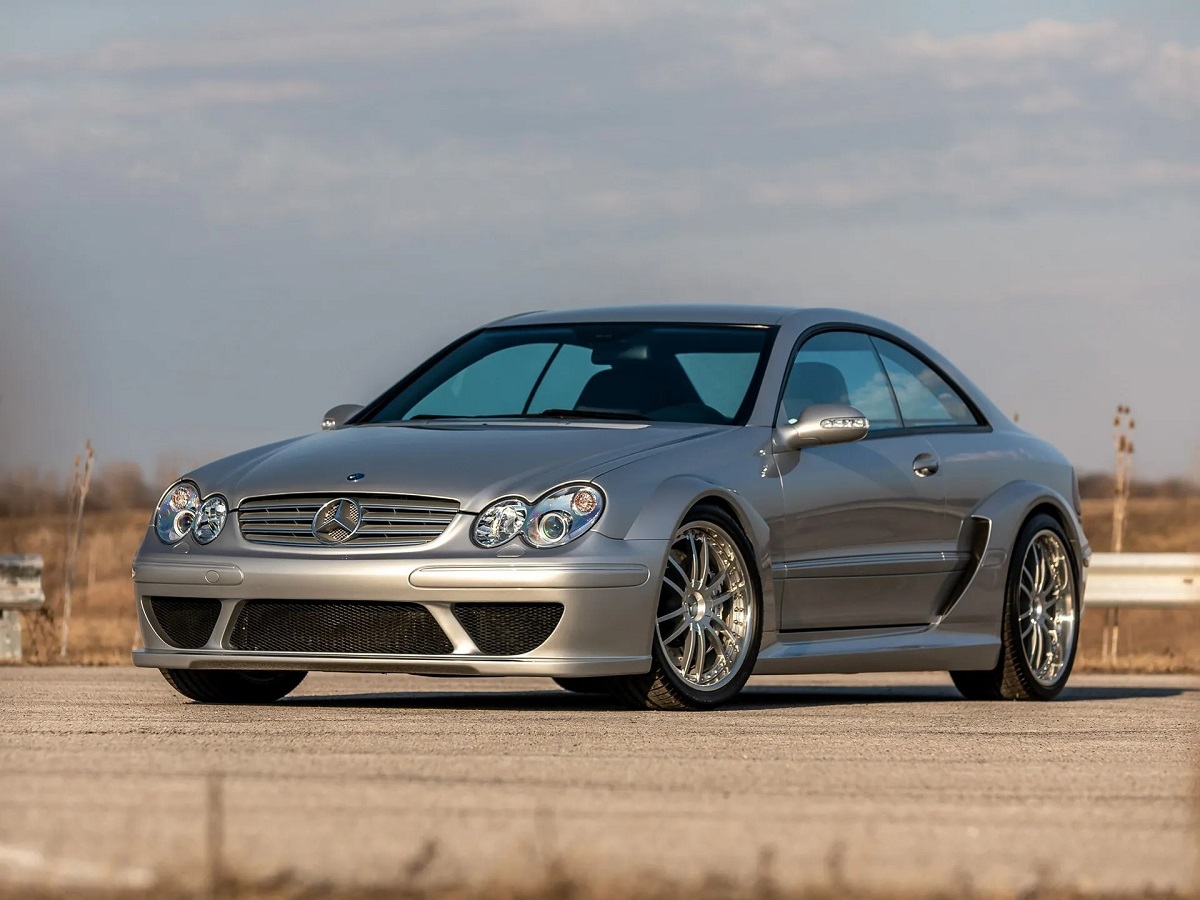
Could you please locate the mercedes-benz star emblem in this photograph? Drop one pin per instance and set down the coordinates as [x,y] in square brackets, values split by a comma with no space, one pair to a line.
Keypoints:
[337,521]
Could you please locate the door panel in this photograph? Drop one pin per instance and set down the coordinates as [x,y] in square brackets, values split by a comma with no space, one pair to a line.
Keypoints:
[865,541]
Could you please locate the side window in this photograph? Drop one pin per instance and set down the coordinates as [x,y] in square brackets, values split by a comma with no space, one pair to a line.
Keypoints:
[841,367]
[924,396]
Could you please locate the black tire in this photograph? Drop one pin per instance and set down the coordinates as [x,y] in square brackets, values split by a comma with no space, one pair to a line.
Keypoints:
[1013,678]
[223,686]
[662,688]
[597,685]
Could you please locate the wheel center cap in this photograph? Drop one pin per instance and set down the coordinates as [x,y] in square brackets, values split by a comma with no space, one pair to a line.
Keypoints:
[696,606]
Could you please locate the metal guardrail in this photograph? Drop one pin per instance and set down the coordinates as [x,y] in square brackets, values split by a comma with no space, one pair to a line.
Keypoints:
[20,589]
[1118,581]
[1143,580]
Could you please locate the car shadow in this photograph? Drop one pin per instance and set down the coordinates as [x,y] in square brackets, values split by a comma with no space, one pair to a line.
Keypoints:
[774,696]
[751,698]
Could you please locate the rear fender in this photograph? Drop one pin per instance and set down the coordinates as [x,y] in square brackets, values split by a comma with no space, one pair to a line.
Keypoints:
[980,605]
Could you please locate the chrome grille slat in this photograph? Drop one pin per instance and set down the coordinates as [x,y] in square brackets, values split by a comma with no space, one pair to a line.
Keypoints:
[387,520]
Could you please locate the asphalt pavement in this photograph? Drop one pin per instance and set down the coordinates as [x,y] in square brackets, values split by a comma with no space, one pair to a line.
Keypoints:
[106,775]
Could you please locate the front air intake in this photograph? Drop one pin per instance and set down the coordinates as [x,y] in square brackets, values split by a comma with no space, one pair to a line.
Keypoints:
[338,626]
[185,622]
[508,629]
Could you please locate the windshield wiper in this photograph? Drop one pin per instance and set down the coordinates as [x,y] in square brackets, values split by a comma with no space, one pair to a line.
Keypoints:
[431,417]
[587,414]
[605,414]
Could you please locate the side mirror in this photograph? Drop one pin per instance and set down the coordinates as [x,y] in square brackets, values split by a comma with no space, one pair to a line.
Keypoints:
[823,423]
[337,416]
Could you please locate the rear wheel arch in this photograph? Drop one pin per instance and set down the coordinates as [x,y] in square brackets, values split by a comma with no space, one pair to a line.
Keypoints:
[1010,507]
[1017,674]
[1056,513]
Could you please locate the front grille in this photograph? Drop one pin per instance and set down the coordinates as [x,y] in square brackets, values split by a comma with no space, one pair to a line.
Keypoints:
[185,622]
[506,629]
[338,626]
[388,520]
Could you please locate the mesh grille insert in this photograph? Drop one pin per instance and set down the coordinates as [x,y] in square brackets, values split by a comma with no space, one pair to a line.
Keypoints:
[337,626]
[185,622]
[506,629]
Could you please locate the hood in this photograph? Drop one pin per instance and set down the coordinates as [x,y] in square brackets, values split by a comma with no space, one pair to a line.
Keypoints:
[471,462]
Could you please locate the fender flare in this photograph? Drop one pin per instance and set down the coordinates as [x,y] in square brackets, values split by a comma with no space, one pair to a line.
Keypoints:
[977,604]
[1007,509]
[665,509]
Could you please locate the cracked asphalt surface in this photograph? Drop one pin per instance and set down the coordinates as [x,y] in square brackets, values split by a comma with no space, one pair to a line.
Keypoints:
[106,772]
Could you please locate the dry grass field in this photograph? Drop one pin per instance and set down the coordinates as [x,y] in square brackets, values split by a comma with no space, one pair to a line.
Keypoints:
[103,626]
[562,884]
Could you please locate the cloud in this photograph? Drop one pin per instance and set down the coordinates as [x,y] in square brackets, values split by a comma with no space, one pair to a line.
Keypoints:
[1047,102]
[1170,82]
[746,113]
[354,33]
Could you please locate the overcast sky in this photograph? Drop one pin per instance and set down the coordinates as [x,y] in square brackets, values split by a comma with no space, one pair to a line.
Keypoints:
[219,219]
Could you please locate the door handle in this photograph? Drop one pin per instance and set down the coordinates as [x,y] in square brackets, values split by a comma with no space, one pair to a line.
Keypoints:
[926,464]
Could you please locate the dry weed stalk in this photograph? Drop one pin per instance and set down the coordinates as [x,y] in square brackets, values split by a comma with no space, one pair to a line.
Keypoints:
[1123,426]
[78,497]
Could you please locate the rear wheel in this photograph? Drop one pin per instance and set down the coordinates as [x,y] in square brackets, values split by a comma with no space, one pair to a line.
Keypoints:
[708,622]
[221,686]
[1040,630]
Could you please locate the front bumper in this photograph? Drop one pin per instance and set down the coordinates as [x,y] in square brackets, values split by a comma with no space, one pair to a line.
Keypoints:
[608,590]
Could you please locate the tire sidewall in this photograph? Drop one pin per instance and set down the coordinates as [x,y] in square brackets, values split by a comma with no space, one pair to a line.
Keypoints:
[708,699]
[1012,626]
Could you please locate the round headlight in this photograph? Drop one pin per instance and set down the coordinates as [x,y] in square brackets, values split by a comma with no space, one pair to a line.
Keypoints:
[500,522]
[176,512]
[210,519]
[553,527]
[563,515]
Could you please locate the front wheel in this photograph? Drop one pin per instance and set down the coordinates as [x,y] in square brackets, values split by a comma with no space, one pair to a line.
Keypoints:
[221,686]
[708,624]
[1040,629]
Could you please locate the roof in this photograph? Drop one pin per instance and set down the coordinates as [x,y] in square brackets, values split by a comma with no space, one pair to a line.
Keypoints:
[702,313]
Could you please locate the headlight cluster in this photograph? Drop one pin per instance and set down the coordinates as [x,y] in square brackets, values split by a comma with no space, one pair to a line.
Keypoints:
[181,511]
[556,519]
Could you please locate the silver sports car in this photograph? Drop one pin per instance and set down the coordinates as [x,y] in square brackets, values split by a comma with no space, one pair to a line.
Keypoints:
[652,503]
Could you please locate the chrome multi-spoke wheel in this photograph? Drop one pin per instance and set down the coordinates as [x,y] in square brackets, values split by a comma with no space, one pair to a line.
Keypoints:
[1039,631]
[1047,607]
[708,623]
[706,610]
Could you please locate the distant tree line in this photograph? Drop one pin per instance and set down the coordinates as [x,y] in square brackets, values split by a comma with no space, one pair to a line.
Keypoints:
[123,485]
[117,485]
[1099,486]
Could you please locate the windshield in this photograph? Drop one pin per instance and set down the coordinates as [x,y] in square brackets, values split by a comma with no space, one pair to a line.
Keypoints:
[705,374]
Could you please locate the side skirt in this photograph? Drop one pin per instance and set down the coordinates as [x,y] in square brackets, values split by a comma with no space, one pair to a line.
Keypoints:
[911,649]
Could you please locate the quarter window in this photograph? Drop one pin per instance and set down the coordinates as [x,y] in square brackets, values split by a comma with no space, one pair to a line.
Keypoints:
[925,399]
